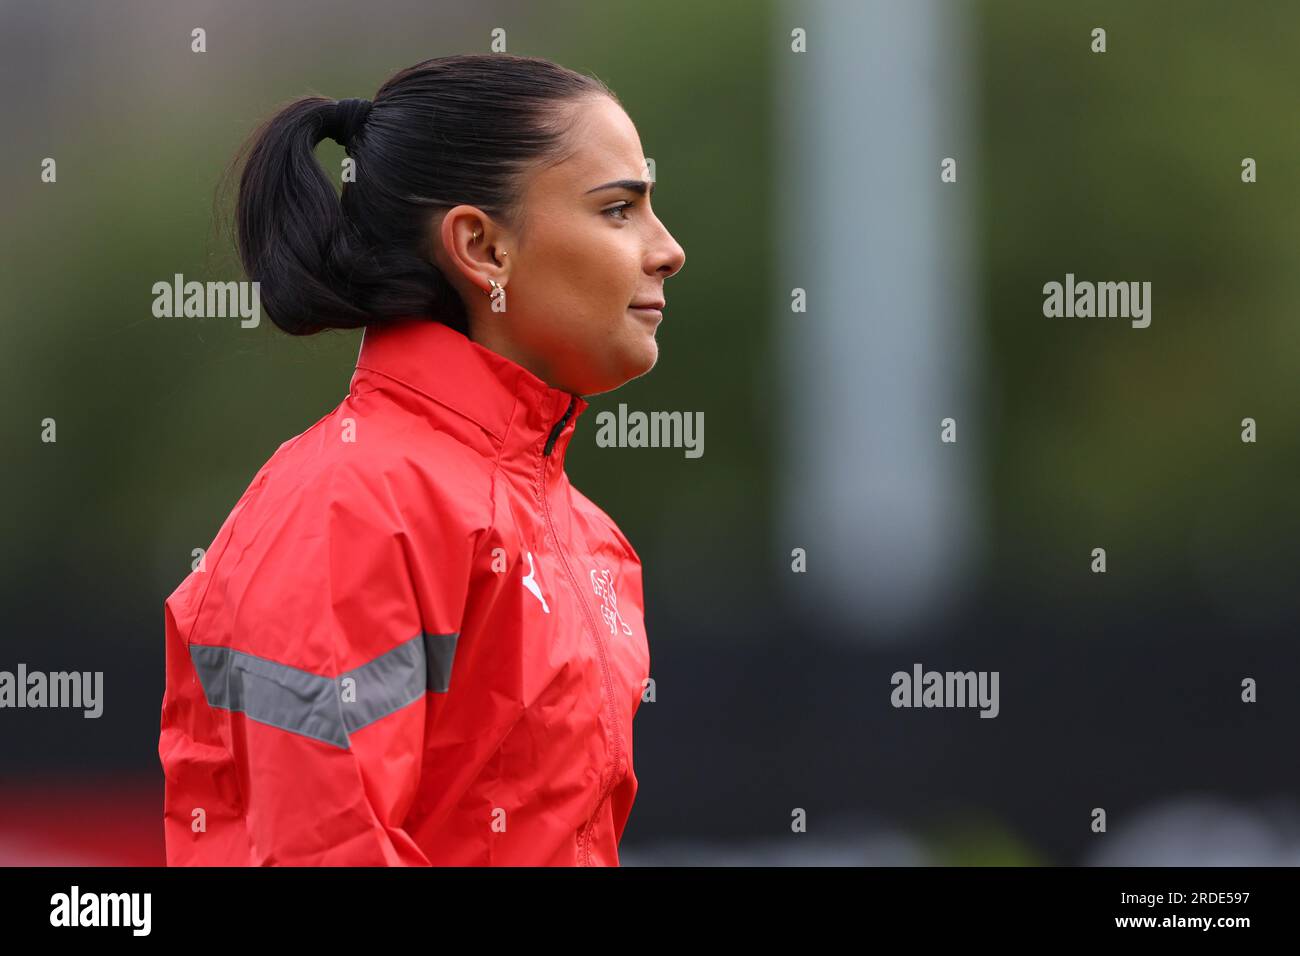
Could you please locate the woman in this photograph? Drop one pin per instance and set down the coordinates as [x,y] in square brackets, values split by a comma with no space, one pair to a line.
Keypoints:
[413,642]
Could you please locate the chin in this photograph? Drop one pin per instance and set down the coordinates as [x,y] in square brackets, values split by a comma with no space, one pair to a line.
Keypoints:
[643,360]
[630,365]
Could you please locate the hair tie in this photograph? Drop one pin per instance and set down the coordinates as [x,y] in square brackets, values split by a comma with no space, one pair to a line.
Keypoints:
[346,120]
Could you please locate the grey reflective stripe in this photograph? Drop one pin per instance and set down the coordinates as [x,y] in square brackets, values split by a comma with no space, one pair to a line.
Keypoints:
[393,680]
[312,705]
[271,693]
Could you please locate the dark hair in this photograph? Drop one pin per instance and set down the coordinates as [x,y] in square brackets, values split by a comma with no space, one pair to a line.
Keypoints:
[451,130]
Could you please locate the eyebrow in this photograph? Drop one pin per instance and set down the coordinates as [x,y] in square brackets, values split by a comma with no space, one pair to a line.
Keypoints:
[636,185]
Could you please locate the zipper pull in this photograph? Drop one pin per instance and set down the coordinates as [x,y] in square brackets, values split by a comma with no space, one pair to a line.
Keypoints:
[559,426]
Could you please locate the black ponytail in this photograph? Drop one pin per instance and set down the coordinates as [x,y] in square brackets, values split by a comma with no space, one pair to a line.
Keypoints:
[452,130]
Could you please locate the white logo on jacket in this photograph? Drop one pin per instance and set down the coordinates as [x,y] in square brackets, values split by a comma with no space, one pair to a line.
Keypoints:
[603,584]
[530,582]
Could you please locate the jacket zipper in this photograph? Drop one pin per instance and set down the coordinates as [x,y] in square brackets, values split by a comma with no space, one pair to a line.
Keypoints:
[559,427]
[589,826]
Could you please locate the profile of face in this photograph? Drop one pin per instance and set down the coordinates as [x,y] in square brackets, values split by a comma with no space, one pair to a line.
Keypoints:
[584,281]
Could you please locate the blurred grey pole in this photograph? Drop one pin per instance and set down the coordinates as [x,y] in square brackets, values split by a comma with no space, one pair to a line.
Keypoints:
[887,347]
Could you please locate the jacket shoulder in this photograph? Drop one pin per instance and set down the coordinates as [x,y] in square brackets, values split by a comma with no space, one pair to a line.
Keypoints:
[370,532]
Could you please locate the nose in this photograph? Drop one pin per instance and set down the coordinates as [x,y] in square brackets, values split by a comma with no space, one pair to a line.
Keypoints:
[666,256]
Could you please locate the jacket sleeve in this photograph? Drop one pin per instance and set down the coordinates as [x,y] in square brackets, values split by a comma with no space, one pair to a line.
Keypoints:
[342,617]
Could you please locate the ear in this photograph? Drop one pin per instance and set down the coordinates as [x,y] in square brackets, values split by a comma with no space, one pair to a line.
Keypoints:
[467,238]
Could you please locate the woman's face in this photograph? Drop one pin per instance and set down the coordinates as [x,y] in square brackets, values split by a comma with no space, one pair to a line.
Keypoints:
[589,254]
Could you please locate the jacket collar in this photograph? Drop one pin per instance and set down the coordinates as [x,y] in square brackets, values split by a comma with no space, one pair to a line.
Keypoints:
[522,414]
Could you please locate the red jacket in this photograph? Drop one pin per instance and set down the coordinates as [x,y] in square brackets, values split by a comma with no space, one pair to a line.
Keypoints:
[413,641]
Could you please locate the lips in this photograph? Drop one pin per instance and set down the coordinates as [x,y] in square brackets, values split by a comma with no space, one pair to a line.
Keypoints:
[656,305]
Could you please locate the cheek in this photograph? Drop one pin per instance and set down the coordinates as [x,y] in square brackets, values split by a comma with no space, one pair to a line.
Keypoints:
[600,295]
[614,277]
[592,276]
[583,287]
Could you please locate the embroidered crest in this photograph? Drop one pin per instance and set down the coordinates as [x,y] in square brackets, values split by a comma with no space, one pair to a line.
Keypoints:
[603,584]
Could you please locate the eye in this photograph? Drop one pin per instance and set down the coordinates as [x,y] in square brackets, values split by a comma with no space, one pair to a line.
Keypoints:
[619,209]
